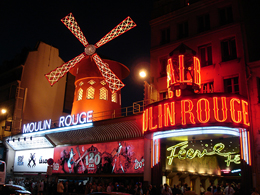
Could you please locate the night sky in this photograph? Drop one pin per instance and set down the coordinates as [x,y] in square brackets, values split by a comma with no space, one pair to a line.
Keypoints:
[24,23]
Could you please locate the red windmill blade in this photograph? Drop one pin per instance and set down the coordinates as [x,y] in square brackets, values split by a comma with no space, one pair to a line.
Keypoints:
[111,79]
[121,28]
[70,22]
[60,71]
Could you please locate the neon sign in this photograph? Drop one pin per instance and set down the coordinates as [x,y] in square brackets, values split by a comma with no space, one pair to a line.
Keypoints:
[180,74]
[69,120]
[190,153]
[201,109]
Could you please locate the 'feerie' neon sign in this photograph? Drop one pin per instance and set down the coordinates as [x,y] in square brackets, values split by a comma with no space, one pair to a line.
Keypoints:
[195,111]
[64,121]
[184,153]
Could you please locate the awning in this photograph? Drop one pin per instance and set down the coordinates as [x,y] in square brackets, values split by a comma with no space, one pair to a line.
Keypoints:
[102,131]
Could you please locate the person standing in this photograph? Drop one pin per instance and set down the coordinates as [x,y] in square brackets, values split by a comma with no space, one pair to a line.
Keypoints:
[60,187]
[229,190]
[189,192]
[208,191]
[41,187]
[109,187]
[202,190]
[218,192]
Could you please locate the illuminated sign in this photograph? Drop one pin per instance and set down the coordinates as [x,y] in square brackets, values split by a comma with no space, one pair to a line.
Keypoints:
[110,158]
[32,160]
[35,142]
[236,171]
[183,73]
[196,110]
[64,121]
[190,153]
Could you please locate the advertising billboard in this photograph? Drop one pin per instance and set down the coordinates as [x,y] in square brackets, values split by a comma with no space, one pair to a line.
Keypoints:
[212,156]
[32,160]
[106,158]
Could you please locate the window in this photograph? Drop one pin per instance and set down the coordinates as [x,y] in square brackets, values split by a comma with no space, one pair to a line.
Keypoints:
[114,97]
[103,93]
[183,30]
[81,83]
[231,85]
[90,93]
[103,82]
[165,36]
[80,94]
[207,87]
[163,95]
[163,65]
[228,49]
[92,82]
[203,23]
[258,88]
[205,54]
[225,15]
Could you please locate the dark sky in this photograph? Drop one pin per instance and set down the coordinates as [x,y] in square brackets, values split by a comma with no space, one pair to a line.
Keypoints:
[23,23]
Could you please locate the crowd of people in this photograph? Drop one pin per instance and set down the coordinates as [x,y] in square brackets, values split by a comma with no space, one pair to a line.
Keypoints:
[65,187]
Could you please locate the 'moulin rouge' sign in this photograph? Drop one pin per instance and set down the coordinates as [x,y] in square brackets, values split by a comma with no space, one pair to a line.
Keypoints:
[196,110]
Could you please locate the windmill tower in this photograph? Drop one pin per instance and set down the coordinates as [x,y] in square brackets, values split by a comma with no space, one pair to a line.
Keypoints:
[97,82]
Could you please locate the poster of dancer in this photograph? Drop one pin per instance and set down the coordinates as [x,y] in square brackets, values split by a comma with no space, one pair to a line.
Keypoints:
[110,158]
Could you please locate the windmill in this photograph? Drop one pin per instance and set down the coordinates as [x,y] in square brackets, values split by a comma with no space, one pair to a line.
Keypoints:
[110,78]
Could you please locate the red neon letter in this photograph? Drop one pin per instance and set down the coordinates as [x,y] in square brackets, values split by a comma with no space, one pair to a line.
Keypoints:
[184,112]
[245,112]
[197,77]
[160,115]
[224,108]
[151,119]
[181,68]
[145,120]
[169,114]
[170,93]
[199,110]
[178,92]
[233,111]
[170,73]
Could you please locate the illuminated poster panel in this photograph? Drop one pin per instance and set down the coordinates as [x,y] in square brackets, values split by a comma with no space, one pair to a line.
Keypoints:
[108,158]
[32,160]
[212,156]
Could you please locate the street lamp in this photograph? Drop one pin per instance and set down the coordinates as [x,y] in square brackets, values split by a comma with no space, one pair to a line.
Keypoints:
[142,74]
[3,110]
[6,123]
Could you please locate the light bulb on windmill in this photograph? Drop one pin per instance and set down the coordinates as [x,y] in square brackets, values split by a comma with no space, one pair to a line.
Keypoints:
[111,79]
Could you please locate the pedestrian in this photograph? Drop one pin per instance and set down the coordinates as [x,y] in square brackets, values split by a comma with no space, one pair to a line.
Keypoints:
[189,192]
[166,190]
[109,187]
[149,190]
[218,192]
[60,188]
[41,187]
[208,191]
[11,181]
[255,191]
[202,190]
[229,190]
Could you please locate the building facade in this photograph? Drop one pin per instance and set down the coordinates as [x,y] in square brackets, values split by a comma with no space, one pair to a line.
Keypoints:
[24,93]
[221,35]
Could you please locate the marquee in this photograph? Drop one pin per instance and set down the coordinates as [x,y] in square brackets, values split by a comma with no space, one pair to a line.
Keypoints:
[197,110]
